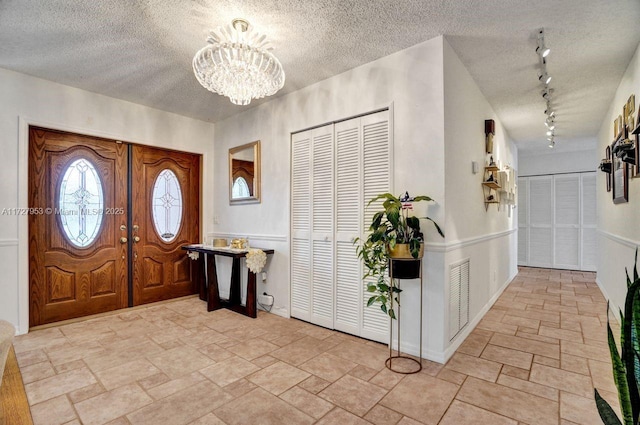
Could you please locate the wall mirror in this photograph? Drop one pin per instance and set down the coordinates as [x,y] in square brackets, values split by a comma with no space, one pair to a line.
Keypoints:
[244,173]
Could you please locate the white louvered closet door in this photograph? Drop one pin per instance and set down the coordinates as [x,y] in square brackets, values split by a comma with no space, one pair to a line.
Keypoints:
[567,221]
[348,134]
[589,232]
[301,226]
[541,221]
[523,221]
[322,225]
[376,161]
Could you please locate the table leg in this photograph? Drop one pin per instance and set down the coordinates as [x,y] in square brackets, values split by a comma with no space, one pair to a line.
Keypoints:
[213,300]
[234,289]
[199,277]
[251,295]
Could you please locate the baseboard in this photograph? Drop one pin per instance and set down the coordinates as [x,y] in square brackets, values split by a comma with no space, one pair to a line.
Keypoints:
[280,311]
[444,356]
[613,307]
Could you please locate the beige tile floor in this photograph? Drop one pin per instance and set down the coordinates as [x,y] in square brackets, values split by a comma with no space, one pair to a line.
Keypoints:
[533,359]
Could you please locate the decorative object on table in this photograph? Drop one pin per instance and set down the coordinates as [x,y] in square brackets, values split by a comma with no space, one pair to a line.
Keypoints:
[244,174]
[619,176]
[489,132]
[393,250]
[626,365]
[256,259]
[193,255]
[237,63]
[239,243]
[220,242]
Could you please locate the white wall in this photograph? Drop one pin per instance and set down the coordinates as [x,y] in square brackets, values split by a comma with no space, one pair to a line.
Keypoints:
[28,100]
[618,225]
[412,82]
[554,162]
[487,237]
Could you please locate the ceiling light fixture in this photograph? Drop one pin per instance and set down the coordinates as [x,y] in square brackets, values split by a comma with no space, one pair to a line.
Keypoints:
[542,50]
[237,64]
[545,79]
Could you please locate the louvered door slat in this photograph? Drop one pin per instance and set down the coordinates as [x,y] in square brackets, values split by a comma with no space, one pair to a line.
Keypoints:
[322,225]
[348,212]
[376,160]
[589,232]
[523,223]
[300,226]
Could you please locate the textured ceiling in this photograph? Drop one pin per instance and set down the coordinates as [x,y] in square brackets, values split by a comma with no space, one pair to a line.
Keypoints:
[141,51]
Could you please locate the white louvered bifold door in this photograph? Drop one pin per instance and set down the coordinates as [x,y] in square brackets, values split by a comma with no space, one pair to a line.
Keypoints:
[322,225]
[567,221]
[348,145]
[376,162]
[523,221]
[301,226]
[541,221]
[589,232]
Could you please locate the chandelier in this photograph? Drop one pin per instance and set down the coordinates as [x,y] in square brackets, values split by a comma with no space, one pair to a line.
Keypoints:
[237,63]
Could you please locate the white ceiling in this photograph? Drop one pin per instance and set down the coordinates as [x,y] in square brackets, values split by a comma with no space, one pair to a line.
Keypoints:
[141,51]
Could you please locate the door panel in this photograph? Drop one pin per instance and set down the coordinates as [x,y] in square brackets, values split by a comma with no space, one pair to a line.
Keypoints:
[161,269]
[87,274]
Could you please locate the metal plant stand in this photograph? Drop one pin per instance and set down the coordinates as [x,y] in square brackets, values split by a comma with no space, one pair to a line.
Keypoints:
[389,362]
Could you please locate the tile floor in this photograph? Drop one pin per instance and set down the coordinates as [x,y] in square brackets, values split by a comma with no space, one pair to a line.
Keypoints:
[533,359]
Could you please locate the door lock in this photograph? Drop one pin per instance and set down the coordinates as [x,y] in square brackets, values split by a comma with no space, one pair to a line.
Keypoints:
[123,240]
[123,227]
[136,238]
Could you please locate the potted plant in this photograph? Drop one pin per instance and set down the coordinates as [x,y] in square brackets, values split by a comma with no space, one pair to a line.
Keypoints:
[626,365]
[395,242]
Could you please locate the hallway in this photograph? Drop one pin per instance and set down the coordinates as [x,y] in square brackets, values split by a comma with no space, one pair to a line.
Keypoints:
[533,359]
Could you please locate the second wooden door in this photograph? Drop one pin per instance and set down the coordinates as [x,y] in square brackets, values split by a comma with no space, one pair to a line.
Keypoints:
[165,215]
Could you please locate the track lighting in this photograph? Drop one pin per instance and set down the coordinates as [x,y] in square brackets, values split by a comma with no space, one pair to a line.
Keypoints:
[542,50]
[544,78]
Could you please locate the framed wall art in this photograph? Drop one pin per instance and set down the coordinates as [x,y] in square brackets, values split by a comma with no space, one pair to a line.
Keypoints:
[619,177]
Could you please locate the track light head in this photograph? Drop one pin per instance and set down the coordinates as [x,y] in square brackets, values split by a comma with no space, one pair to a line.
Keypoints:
[552,144]
[544,78]
[543,51]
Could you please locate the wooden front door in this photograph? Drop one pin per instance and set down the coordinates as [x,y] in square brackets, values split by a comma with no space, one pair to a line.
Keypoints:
[166,209]
[77,205]
[102,239]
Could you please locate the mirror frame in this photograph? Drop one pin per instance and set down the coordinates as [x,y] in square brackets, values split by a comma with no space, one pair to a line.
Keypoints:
[255,199]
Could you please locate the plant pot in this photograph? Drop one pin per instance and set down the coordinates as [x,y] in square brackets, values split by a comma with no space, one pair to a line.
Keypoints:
[402,251]
[403,264]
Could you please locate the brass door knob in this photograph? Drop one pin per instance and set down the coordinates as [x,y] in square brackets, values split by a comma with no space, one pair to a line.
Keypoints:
[136,238]
[123,240]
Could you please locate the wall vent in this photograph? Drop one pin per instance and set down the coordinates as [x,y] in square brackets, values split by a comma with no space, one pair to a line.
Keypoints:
[458,297]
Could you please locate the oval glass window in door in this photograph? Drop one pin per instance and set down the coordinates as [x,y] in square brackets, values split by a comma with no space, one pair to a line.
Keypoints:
[166,205]
[81,203]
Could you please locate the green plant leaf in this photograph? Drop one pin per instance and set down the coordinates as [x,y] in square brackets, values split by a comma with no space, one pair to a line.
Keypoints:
[620,379]
[627,338]
[382,196]
[422,198]
[437,227]
[392,314]
[371,301]
[607,414]
[383,307]
[371,288]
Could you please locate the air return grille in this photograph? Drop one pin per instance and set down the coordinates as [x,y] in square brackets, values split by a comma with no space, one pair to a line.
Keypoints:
[458,297]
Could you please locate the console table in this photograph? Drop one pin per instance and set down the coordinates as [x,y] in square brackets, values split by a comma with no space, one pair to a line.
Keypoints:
[207,280]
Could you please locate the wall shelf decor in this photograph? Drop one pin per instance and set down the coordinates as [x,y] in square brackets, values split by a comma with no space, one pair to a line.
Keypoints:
[490,184]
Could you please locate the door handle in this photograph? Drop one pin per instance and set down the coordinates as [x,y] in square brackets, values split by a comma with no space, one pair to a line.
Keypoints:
[123,240]
[136,239]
